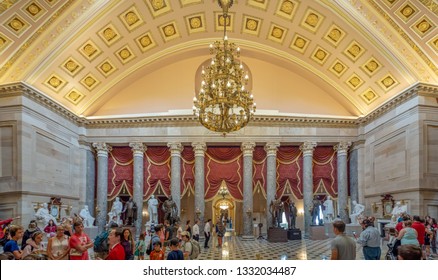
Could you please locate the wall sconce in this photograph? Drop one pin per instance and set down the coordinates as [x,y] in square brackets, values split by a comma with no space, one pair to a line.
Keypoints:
[248,211]
[97,210]
[198,213]
[301,211]
[374,207]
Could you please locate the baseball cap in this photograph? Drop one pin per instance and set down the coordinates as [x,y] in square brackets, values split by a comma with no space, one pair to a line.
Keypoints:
[185,233]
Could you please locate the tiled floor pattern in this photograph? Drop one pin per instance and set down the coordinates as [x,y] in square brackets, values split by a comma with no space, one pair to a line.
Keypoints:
[234,248]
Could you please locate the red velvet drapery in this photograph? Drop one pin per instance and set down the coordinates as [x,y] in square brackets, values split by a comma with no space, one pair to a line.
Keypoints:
[259,169]
[223,164]
[156,171]
[289,171]
[325,170]
[187,171]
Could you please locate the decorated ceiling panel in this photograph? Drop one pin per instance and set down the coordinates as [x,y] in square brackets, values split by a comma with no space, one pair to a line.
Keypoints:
[75,51]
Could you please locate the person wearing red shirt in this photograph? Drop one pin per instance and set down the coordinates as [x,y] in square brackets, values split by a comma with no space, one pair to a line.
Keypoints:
[420,228]
[79,243]
[117,252]
[157,253]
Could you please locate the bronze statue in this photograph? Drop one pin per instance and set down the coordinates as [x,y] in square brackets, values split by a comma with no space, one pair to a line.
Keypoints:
[170,211]
[276,209]
[292,215]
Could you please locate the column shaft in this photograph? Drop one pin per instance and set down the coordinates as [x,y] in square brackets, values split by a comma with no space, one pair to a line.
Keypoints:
[271,182]
[248,227]
[102,184]
[199,149]
[342,149]
[175,172]
[307,149]
[138,150]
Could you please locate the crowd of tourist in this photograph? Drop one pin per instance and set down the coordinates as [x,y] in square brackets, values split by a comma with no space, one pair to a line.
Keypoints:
[415,239]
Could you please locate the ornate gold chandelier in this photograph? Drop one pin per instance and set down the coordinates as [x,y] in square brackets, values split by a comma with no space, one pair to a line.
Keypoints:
[224,104]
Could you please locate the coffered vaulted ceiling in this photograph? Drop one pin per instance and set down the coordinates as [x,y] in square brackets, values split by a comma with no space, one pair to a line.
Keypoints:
[108,57]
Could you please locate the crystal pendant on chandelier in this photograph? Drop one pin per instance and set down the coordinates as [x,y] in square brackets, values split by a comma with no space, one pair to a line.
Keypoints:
[223,103]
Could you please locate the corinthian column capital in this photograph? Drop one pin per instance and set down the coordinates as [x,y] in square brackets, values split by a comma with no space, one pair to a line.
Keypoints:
[247,148]
[342,147]
[271,148]
[102,148]
[307,148]
[175,149]
[199,148]
[138,148]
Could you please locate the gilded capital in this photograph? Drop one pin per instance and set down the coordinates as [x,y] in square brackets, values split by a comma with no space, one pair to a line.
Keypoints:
[271,149]
[307,148]
[138,148]
[102,148]
[247,148]
[199,149]
[175,149]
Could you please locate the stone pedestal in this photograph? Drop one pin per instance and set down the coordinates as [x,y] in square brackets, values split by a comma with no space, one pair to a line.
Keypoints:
[317,233]
[91,232]
[277,235]
[349,228]
[328,229]
[294,234]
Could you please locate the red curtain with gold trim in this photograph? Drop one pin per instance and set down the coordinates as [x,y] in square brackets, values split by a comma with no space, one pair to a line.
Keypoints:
[259,170]
[120,170]
[223,164]
[289,171]
[325,170]
[187,170]
[156,171]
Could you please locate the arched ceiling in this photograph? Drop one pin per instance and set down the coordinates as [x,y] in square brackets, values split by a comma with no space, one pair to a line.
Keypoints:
[333,57]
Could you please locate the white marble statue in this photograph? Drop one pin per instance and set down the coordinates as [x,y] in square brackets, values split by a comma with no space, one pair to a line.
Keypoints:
[357,211]
[398,210]
[152,209]
[116,211]
[328,209]
[85,214]
[44,216]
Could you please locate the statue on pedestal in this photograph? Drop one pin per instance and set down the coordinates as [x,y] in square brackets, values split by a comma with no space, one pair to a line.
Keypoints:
[328,209]
[88,220]
[292,215]
[43,215]
[153,210]
[130,210]
[116,211]
[170,210]
[276,209]
[398,211]
[316,211]
[357,211]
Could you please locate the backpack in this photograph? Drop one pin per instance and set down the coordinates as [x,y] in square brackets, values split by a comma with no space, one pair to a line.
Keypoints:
[100,242]
[196,249]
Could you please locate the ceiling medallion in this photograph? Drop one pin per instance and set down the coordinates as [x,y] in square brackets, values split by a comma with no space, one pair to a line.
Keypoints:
[223,103]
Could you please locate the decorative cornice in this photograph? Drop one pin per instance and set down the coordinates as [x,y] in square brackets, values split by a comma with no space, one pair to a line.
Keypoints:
[247,148]
[342,148]
[22,89]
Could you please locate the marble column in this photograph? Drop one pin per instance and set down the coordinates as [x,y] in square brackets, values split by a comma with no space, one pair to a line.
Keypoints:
[90,176]
[271,180]
[353,167]
[342,149]
[307,148]
[102,184]
[248,226]
[138,150]
[175,173]
[199,149]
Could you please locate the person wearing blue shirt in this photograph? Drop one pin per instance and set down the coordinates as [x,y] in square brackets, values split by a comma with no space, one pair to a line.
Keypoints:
[16,233]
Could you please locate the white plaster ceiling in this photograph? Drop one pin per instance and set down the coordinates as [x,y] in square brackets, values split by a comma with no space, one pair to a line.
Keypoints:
[329,57]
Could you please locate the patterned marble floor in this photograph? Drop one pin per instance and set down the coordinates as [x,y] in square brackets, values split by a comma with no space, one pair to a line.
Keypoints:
[234,248]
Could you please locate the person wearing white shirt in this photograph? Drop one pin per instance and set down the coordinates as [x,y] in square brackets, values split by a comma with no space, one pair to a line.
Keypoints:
[207,233]
[196,230]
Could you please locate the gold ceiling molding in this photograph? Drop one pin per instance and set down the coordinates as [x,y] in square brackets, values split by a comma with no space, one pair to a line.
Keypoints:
[145,41]
[6,4]
[158,7]
[17,25]
[432,5]
[338,68]
[131,18]
[4,42]
[74,96]
[299,43]
[354,81]
[388,82]
[287,9]
[406,37]
[196,23]
[369,96]
[251,25]
[334,35]
[407,11]
[34,37]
